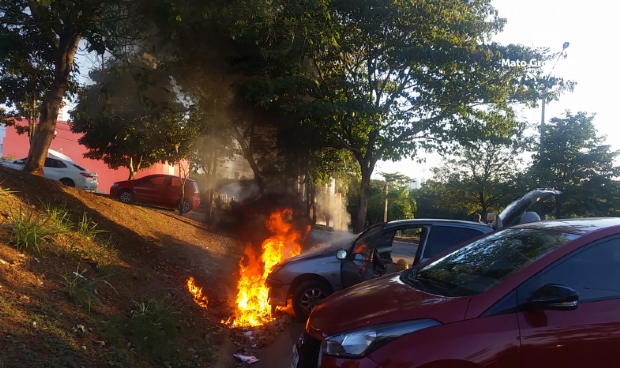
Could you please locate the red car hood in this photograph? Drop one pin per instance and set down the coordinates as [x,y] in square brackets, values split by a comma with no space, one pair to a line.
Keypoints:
[383,300]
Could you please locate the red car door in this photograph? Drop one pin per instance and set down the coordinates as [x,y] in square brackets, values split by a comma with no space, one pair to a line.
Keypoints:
[174,192]
[152,189]
[588,335]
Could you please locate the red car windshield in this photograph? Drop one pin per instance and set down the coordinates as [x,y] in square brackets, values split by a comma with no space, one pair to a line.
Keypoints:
[484,263]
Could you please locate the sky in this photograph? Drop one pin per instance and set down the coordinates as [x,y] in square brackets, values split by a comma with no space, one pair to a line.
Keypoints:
[591,28]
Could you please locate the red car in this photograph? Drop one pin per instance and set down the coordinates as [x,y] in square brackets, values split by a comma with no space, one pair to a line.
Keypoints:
[537,295]
[163,190]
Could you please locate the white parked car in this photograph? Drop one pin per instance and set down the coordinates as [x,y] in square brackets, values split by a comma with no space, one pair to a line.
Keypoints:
[66,171]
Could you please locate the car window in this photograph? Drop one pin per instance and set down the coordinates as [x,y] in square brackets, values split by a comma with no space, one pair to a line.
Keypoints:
[593,272]
[78,167]
[443,238]
[364,244]
[404,243]
[158,180]
[50,162]
[176,182]
[478,266]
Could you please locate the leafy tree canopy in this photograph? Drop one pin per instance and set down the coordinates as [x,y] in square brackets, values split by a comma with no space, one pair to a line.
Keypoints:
[384,79]
[131,118]
[38,43]
[577,162]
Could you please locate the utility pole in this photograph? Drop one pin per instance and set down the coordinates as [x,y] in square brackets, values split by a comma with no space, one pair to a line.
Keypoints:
[385,211]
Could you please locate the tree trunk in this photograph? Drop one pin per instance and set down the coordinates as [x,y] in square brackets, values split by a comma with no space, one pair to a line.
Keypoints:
[67,46]
[313,202]
[210,172]
[362,201]
[134,168]
[246,149]
[183,179]
[558,208]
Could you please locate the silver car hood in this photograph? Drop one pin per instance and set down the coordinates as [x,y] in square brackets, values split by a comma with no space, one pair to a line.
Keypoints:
[322,250]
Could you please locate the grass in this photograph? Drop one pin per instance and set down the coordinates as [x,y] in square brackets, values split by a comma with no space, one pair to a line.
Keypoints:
[154,329]
[59,216]
[88,228]
[6,191]
[29,229]
[104,254]
[81,290]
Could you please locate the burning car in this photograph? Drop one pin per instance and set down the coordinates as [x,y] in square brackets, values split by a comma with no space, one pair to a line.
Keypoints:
[309,278]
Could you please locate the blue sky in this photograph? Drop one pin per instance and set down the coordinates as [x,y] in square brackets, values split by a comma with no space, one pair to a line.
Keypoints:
[592,29]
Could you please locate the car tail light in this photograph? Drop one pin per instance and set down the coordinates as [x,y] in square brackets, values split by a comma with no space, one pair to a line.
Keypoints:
[88,175]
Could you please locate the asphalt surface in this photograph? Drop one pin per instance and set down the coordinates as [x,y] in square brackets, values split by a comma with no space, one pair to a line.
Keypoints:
[279,353]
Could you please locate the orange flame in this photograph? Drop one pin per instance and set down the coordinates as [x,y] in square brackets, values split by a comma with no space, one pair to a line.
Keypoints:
[253,307]
[196,292]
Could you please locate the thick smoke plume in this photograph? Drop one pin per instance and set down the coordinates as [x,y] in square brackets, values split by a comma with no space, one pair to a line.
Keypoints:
[332,210]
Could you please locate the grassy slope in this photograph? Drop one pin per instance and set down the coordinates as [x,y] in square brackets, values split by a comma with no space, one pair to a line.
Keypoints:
[133,309]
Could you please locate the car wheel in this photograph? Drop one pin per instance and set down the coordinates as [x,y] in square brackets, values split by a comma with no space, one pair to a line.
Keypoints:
[125,196]
[187,206]
[68,182]
[307,296]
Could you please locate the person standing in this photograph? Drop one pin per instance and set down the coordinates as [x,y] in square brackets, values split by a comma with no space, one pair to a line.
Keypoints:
[478,218]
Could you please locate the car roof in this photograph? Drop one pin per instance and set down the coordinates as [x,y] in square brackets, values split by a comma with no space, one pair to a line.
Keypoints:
[580,226]
[470,224]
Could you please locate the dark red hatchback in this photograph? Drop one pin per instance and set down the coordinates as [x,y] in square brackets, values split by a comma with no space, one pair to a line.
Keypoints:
[162,190]
[544,294]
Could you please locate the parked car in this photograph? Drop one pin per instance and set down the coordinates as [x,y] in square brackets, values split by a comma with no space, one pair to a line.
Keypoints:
[66,171]
[308,279]
[162,190]
[542,294]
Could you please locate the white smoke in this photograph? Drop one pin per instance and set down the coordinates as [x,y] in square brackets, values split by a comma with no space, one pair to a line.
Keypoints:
[332,210]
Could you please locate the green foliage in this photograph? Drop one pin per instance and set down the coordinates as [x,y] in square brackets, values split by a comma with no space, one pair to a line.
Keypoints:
[29,229]
[577,162]
[81,290]
[104,254]
[6,191]
[154,328]
[132,118]
[38,42]
[386,79]
[483,177]
[88,228]
[59,216]
[401,205]
[429,199]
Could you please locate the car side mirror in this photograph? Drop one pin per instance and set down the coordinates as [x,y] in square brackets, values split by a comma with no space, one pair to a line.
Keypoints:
[341,254]
[553,297]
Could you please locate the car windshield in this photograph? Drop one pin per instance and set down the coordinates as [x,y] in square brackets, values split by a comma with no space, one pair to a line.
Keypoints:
[484,263]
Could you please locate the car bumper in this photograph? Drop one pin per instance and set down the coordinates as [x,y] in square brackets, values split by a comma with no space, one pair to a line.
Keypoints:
[114,191]
[278,293]
[90,187]
[309,351]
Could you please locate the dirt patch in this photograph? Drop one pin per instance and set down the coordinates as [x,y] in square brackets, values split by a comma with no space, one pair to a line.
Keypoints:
[106,284]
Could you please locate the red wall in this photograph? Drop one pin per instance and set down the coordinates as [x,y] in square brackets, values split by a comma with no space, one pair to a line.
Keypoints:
[66,143]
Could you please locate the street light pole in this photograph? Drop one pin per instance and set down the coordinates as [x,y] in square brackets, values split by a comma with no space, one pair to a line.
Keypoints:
[544,101]
[385,210]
